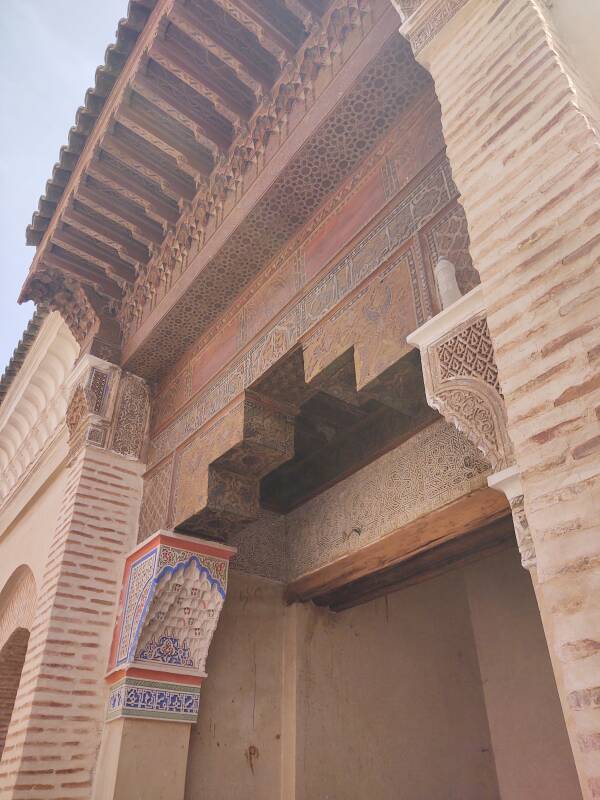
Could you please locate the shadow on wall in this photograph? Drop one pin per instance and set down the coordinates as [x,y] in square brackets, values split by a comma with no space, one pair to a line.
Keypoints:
[17,606]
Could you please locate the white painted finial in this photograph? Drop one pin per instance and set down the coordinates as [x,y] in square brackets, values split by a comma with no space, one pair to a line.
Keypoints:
[445,276]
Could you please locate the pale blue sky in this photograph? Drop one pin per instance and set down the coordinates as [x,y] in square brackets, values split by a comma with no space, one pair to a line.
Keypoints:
[49,51]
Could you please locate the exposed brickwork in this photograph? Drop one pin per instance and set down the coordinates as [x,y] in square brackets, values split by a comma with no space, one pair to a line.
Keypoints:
[525,157]
[55,731]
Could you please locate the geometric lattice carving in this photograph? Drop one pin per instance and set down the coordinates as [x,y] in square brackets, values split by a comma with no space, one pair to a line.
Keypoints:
[461,376]
[469,353]
[155,500]
[174,589]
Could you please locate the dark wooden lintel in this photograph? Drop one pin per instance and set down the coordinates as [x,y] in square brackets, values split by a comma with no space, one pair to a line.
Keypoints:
[459,518]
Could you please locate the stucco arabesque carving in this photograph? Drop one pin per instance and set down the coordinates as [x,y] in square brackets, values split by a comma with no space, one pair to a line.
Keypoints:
[422,20]
[108,408]
[461,382]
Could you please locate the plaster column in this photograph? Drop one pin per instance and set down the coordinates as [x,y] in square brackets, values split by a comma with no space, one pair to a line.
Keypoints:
[53,739]
[173,591]
[518,122]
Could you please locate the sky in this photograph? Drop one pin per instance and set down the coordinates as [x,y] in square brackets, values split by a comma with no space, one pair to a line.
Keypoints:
[49,51]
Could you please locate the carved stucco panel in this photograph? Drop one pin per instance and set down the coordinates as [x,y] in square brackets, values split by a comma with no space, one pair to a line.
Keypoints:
[461,382]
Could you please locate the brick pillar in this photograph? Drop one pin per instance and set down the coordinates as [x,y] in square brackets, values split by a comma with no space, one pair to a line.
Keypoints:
[173,591]
[519,127]
[54,735]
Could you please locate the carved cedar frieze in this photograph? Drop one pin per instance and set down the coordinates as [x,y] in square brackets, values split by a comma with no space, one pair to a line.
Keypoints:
[392,234]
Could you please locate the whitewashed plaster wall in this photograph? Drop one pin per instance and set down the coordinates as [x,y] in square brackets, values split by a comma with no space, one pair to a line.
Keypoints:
[33,448]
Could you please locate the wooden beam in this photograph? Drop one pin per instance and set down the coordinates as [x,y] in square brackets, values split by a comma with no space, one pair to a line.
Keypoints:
[251,17]
[181,66]
[170,181]
[247,69]
[455,519]
[84,272]
[70,238]
[111,233]
[456,553]
[124,179]
[171,103]
[161,136]
[96,194]
[117,92]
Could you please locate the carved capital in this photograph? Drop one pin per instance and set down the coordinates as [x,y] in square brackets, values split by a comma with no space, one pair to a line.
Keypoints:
[422,20]
[174,587]
[108,409]
[461,376]
[509,482]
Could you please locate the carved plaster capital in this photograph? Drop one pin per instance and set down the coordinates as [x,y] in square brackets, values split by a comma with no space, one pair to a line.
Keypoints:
[509,482]
[108,408]
[461,376]
[174,588]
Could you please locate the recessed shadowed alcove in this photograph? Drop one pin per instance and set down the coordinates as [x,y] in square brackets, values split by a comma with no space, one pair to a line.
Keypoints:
[338,429]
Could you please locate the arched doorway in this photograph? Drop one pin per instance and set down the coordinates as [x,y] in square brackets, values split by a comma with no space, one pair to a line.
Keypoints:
[17,605]
[12,658]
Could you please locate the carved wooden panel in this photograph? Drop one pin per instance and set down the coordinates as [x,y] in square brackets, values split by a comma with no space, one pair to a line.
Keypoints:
[415,209]
[387,87]
[374,323]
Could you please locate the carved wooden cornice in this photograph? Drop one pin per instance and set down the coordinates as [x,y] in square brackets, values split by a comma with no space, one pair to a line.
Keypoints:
[294,86]
[184,106]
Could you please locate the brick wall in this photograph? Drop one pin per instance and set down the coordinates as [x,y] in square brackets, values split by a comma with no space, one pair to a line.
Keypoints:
[525,157]
[55,731]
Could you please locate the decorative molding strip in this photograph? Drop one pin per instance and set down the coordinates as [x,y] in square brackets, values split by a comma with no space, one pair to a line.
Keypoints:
[135,697]
[509,483]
